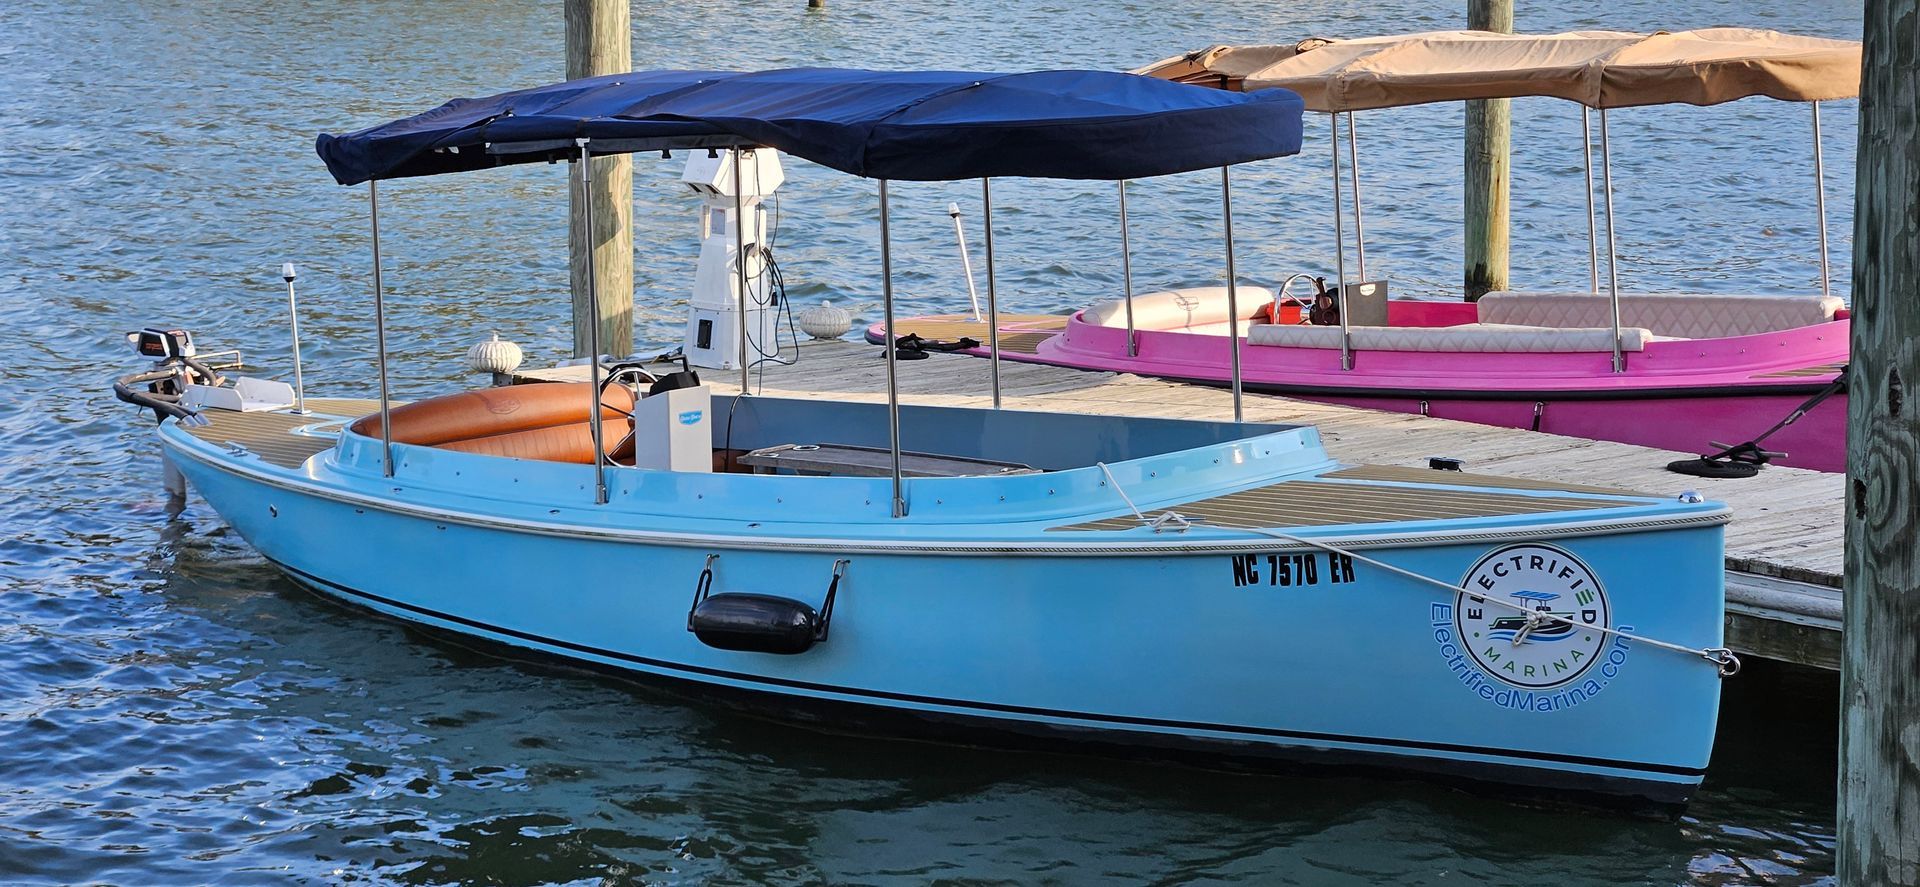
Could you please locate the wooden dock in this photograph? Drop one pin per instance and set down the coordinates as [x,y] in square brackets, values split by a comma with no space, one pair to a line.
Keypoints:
[1784,547]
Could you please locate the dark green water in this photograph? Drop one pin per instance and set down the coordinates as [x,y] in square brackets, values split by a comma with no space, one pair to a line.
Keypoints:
[172,711]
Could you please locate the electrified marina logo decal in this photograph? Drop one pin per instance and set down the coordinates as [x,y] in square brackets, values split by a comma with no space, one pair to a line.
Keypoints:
[1497,641]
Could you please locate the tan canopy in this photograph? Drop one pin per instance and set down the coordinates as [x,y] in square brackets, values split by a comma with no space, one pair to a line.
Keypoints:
[1599,69]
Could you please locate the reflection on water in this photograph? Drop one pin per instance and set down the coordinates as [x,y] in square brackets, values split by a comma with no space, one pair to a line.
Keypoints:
[171,710]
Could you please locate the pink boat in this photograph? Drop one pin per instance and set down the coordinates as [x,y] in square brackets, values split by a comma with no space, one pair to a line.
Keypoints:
[1700,369]
[1693,372]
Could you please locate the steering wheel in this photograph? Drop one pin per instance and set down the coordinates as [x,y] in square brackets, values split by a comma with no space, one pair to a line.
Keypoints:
[619,375]
[1305,303]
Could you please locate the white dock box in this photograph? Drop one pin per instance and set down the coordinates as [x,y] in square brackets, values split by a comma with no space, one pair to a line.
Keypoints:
[672,430]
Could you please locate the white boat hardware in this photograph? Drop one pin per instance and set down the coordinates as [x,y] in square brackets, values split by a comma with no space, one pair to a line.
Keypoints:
[966,262]
[288,272]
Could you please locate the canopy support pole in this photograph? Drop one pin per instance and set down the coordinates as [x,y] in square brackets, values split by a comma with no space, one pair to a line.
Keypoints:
[1353,170]
[1820,203]
[893,377]
[1613,254]
[1233,289]
[1339,252]
[1126,271]
[1593,235]
[740,263]
[993,300]
[585,171]
[380,333]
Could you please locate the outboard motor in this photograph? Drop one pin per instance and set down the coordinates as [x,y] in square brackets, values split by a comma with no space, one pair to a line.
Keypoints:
[1326,305]
[176,366]
[163,388]
[162,344]
[759,623]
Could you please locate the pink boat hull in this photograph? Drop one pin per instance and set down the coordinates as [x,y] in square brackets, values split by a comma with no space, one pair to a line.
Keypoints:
[1817,441]
[1674,395]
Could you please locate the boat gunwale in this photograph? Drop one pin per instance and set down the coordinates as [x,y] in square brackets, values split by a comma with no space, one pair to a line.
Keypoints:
[1760,384]
[1734,362]
[1143,541]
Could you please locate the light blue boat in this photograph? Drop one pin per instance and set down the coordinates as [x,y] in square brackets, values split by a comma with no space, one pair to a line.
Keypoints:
[1223,592]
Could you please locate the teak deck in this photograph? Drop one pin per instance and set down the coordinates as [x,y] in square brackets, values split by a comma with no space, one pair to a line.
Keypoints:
[1019,333]
[272,437]
[1783,548]
[1306,503]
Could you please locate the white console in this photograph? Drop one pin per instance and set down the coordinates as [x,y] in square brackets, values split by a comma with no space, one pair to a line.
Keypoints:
[673,430]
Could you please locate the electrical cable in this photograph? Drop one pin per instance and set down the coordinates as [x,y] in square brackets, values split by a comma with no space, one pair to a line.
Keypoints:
[769,274]
[776,288]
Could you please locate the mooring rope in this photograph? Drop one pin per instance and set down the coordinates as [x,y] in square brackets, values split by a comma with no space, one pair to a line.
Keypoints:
[1722,658]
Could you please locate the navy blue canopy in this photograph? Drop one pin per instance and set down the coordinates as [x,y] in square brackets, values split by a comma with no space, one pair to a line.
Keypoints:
[908,125]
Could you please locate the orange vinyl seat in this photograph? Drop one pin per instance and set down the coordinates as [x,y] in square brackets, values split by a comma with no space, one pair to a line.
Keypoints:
[559,443]
[547,421]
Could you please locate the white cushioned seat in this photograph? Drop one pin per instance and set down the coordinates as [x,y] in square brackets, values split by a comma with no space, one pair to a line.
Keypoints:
[1675,315]
[1476,337]
[1179,309]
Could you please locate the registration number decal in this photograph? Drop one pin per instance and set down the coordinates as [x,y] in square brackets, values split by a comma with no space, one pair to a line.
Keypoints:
[1291,570]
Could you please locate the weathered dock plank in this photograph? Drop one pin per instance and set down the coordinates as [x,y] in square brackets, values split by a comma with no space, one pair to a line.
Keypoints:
[1784,551]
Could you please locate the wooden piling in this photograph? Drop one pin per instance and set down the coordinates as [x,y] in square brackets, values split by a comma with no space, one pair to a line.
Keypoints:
[1879,808]
[1488,147]
[600,41]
